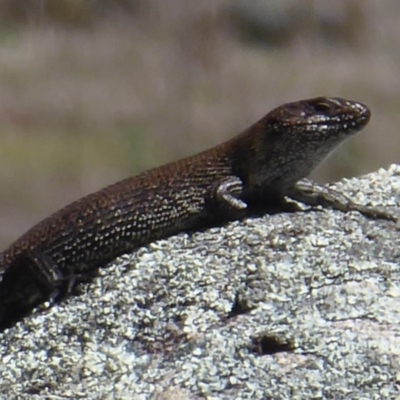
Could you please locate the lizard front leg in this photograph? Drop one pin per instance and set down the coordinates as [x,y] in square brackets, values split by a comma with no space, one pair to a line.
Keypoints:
[224,198]
[313,194]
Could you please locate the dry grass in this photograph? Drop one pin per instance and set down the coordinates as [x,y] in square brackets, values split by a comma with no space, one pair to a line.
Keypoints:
[81,108]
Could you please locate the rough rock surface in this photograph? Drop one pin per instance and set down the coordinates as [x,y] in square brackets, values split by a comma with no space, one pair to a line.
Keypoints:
[290,306]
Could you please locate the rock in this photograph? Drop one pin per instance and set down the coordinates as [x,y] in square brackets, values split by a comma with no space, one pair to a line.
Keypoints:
[289,306]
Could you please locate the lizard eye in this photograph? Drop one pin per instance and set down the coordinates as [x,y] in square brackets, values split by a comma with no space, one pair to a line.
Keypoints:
[321,107]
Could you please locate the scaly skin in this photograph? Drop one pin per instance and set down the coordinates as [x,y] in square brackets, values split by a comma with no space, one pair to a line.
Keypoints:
[258,167]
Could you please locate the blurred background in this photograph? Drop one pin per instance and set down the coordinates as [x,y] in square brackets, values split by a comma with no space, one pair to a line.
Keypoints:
[93,91]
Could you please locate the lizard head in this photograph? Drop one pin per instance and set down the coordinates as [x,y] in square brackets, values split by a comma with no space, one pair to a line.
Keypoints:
[293,139]
[320,116]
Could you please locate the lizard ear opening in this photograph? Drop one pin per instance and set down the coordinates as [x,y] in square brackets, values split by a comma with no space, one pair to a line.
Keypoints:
[273,123]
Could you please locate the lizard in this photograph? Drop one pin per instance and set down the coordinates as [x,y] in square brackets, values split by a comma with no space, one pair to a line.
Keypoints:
[259,169]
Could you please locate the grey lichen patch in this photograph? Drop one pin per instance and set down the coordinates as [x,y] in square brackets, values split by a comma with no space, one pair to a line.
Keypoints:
[289,306]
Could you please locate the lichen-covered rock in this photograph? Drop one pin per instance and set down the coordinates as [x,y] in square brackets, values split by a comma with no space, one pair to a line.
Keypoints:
[289,306]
